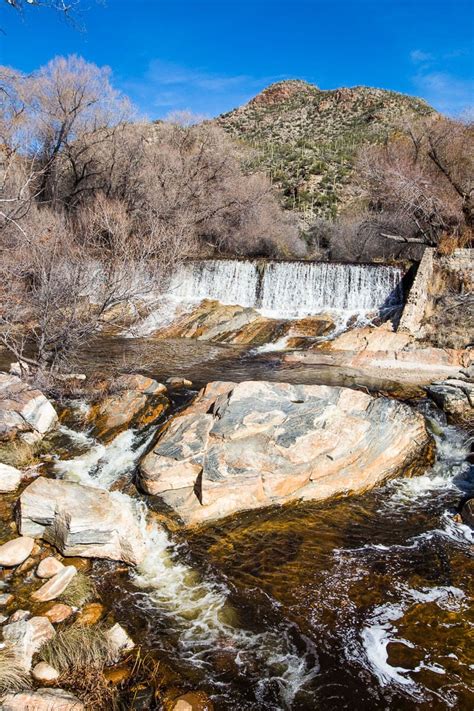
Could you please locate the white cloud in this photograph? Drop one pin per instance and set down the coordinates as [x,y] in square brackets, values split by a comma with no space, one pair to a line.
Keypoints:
[446,92]
[170,86]
[417,56]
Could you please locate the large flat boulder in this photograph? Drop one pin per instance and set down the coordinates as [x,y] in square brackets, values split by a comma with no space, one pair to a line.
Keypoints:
[81,520]
[379,353]
[253,444]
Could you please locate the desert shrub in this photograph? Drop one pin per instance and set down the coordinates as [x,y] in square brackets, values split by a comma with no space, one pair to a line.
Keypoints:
[80,590]
[76,646]
[365,237]
[12,676]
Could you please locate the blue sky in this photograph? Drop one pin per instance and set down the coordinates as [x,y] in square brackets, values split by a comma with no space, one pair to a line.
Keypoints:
[209,56]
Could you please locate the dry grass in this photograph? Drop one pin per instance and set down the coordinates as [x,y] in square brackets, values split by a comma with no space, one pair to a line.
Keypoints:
[146,674]
[80,655]
[80,590]
[76,647]
[12,677]
[91,687]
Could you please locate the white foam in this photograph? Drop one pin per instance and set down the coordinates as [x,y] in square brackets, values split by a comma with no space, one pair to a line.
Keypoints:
[78,437]
[452,446]
[447,597]
[103,464]
[205,621]
[376,636]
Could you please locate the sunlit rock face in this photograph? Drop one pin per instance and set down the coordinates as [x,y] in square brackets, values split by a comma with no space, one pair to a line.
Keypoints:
[26,415]
[253,444]
[133,399]
[239,325]
[81,520]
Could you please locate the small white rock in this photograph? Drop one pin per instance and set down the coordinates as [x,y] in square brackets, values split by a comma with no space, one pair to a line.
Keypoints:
[19,615]
[10,478]
[119,641]
[44,673]
[48,567]
[16,551]
[55,585]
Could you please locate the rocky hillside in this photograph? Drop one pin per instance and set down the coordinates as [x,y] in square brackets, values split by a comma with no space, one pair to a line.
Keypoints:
[307,139]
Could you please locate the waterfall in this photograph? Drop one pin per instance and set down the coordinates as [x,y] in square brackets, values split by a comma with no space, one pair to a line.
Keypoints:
[228,281]
[291,289]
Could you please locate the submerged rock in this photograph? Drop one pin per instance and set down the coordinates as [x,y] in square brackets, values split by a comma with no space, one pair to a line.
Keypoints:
[58,613]
[253,444]
[81,520]
[135,400]
[42,700]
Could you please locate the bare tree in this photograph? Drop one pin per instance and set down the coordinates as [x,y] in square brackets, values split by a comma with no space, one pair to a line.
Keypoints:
[96,211]
[63,6]
[425,176]
[59,284]
[191,179]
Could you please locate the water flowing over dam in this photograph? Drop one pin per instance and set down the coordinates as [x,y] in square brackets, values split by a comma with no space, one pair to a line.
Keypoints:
[291,289]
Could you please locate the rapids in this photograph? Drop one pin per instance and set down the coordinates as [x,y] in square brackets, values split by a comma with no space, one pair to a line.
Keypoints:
[357,603]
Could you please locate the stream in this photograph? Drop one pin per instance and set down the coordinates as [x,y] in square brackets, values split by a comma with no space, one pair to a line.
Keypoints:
[354,603]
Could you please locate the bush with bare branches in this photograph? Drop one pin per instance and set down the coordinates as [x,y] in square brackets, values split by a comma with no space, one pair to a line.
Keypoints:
[425,176]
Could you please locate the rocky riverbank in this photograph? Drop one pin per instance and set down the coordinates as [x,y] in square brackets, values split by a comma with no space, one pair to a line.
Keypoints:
[61,646]
[235,447]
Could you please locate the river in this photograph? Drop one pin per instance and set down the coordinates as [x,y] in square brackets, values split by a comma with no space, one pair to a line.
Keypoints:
[359,603]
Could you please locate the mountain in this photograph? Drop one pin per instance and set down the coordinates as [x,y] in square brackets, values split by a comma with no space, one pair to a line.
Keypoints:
[307,139]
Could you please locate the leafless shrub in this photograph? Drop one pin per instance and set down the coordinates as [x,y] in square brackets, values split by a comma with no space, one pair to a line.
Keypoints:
[424,175]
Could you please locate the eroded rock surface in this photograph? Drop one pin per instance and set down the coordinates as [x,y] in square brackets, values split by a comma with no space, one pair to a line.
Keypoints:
[456,398]
[26,415]
[27,637]
[135,400]
[42,700]
[81,520]
[381,353]
[241,325]
[252,444]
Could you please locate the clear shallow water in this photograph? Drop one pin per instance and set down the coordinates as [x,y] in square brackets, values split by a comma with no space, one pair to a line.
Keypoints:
[361,603]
